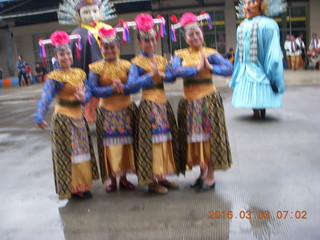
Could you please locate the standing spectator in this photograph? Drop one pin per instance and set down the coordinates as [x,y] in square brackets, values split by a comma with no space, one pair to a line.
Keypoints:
[0,73]
[230,56]
[287,49]
[301,52]
[21,65]
[291,51]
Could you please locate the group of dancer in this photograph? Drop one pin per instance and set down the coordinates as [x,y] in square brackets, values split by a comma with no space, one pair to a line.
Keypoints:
[147,140]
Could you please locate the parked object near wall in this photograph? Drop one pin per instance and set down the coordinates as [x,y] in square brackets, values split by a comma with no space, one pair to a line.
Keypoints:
[9,82]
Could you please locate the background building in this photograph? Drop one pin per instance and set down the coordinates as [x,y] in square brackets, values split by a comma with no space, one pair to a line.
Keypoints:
[22,23]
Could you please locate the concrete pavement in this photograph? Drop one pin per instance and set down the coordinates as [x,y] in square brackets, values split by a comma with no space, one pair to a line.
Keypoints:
[275,177]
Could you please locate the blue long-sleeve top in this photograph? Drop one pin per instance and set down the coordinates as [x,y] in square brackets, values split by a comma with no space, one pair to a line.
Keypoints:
[21,65]
[269,67]
[139,71]
[50,90]
[185,63]
[115,69]
[129,87]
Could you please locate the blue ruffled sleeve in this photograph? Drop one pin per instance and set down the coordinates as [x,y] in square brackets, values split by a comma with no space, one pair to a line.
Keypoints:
[136,80]
[96,89]
[271,49]
[50,89]
[221,66]
[169,75]
[236,68]
[180,71]
[88,93]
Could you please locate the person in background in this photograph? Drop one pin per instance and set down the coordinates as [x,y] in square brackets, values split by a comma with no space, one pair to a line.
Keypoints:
[314,50]
[21,65]
[286,46]
[292,53]
[230,56]
[301,52]
[29,73]
[39,73]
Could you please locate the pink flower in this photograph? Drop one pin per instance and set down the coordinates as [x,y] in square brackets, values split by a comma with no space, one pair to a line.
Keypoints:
[144,22]
[59,38]
[103,32]
[174,19]
[188,18]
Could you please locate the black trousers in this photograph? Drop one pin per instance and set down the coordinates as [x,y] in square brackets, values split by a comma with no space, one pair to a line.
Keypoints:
[24,77]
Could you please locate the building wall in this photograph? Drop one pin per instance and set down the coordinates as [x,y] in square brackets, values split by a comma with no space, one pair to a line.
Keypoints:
[314,17]
[230,22]
[7,49]
[23,43]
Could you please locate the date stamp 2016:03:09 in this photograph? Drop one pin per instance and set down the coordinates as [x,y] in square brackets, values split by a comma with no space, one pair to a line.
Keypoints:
[280,214]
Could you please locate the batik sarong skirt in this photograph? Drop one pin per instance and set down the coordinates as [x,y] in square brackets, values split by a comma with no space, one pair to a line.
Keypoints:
[203,133]
[74,162]
[157,142]
[116,140]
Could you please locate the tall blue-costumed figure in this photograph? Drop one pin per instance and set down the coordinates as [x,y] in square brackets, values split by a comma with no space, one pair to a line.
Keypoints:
[258,80]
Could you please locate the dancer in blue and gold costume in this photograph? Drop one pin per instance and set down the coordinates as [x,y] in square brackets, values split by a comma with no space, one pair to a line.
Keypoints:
[116,114]
[158,148]
[74,163]
[202,129]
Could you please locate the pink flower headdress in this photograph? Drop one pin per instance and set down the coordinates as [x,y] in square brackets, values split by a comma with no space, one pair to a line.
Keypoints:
[145,24]
[60,40]
[188,21]
[107,35]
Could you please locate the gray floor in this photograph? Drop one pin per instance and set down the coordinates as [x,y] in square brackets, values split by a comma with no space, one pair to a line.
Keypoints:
[276,168]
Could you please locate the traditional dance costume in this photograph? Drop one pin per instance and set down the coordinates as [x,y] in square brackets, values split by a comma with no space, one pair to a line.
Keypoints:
[202,129]
[74,163]
[157,139]
[116,117]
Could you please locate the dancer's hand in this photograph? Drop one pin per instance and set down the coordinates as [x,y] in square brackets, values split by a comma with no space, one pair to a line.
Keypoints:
[79,93]
[154,68]
[117,86]
[207,64]
[42,124]
[201,66]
